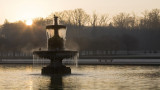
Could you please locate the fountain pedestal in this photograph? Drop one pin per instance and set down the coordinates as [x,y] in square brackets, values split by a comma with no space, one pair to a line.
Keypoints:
[51,70]
[56,68]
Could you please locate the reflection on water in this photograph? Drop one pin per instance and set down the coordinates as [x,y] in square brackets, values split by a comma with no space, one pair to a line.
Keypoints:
[88,77]
[56,82]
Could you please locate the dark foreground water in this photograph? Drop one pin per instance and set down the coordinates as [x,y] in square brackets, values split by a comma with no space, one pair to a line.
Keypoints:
[85,77]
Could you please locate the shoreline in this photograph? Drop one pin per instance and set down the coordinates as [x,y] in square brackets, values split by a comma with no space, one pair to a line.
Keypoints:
[87,61]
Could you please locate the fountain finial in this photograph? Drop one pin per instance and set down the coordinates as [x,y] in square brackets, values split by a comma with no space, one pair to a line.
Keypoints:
[55,20]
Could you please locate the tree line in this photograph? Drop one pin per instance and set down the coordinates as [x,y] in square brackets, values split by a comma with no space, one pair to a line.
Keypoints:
[123,31]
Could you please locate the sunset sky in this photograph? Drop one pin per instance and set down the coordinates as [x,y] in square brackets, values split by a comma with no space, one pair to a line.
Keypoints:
[14,10]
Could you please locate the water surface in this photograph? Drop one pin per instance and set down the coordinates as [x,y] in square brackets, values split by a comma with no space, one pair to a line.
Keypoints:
[85,77]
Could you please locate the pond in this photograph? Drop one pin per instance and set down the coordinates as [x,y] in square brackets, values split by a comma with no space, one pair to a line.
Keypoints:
[83,77]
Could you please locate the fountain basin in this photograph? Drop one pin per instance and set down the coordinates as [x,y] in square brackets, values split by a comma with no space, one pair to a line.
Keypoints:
[53,70]
[56,57]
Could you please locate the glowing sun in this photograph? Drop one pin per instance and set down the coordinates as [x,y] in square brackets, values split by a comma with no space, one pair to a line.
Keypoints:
[29,22]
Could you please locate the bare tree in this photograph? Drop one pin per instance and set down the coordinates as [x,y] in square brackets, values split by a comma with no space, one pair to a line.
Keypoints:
[94,20]
[103,21]
[150,19]
[77,17]
[154,18]
[80,17]
[123,20]
[144,21]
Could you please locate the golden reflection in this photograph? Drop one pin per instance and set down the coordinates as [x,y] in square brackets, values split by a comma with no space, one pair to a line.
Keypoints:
[29,69]
[30,85]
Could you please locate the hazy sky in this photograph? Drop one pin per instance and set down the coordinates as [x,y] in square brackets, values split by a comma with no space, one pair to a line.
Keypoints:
[14,10]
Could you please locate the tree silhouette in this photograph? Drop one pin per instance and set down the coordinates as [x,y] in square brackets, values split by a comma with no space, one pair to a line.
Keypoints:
[87,32]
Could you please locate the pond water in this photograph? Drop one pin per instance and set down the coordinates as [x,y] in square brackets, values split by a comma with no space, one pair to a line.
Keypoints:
[84,77]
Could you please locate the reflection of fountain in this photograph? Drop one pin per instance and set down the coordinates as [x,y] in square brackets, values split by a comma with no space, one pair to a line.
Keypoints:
[56,83]
[56,52]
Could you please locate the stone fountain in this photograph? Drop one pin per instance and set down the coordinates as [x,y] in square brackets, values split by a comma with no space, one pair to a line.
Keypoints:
[56,51]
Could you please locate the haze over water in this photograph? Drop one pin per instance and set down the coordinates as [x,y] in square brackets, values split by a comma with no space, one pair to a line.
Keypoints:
[85,77]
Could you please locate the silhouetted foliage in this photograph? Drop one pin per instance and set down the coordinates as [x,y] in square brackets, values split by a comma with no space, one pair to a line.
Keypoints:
[87,32]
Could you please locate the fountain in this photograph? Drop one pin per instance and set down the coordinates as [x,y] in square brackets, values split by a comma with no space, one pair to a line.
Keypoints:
[56,51]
